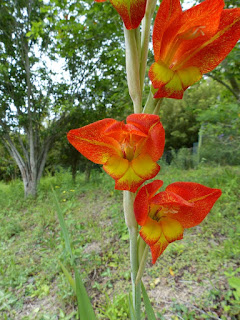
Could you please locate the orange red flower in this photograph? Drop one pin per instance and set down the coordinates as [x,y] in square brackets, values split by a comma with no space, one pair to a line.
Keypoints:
[189,44]
[165,215]
[129,152]
[131,11]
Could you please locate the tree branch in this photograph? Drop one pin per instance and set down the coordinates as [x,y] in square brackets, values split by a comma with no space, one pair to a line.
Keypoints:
[224,84]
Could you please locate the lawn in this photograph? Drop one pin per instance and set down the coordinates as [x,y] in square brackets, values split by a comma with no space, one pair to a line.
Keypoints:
[195,278]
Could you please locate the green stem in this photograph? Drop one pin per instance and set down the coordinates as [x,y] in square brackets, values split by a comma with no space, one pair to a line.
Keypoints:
[158,105]
[142,264]
[132,69]
[146,24]
[151,104]
[128,199]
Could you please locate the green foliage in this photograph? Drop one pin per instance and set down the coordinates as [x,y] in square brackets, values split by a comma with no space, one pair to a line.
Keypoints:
[147,304]
[115,308]
[180,117]
[33,285]
[221,133]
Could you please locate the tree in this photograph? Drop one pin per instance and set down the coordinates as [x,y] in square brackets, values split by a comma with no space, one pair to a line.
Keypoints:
[29,116]
[180,118]
[35,101]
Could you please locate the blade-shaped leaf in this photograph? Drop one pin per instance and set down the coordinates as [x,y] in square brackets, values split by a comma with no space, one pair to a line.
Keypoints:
[63,226]
[147,304]
[131,308]
[85,308]
[68,276]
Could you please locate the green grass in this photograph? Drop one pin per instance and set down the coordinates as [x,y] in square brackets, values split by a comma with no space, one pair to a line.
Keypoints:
[195,278]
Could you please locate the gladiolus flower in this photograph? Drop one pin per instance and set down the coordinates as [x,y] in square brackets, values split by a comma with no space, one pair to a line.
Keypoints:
[128,152]
[131,11]
[189,44]
[164,216]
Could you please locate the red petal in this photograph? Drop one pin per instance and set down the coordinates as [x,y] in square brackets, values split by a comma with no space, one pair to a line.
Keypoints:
[92,142]
[165,93]
[158,248]
[172,229]
[187,25]
[167,198]
[151,231]
[116,167]
[141,203]
[145,167]
[171,84]
[131,11]
[168,11]
[151,125]
[118,129]
[129,181]
[202,198]
[143,121]
[207,56]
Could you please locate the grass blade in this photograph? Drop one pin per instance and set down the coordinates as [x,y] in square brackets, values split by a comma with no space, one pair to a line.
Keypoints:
[147,304]
[68,276]
[63,226]
[85,308]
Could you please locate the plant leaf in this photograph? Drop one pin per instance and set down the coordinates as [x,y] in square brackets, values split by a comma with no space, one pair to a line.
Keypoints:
[131,309]
[63,226]
[85,308]
[68,276]
[147,304]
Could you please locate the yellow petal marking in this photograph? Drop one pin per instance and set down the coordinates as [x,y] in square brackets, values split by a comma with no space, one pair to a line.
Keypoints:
[144,166]
[189,76]
[172,229]
[116,166]
[151,231]
[161,72]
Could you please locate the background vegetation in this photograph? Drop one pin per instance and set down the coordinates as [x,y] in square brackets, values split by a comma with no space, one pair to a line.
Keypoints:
[195,278]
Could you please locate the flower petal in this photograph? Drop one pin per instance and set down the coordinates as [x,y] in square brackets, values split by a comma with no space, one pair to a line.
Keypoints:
[190,29]
[151,125]
[160,74]
[143,121]
[129,181]
[92,142]
[169,199]
[158,248]
[168,11]
[116,167]
[172,229]
[202,198]
[141,203]
[131,11]
[151,231]
[207,56]
[118,129]
[180,81]
[145,167]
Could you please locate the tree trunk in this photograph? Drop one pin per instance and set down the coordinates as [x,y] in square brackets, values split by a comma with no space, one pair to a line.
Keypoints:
[31,174]
[74,171]
[88,171]
[30,188]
